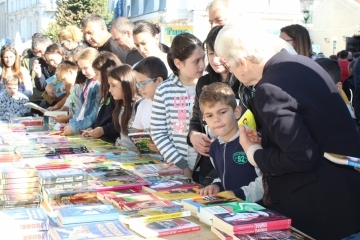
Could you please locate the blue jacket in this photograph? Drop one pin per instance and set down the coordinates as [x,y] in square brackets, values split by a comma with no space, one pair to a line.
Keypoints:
[235,172]
[91,108]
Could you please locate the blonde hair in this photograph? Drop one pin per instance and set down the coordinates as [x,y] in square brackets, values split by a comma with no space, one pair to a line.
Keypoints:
[71,32]
[11,80]
[89,54]
[65,66]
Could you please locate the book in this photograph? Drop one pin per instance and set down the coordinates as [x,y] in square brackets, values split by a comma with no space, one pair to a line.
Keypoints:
[85,214]
[109,195]
[66,185]
[30,235]
[35,106]
[249,218]
[17,172]
[146,204]
[55,113]
[58,86]
[142,140]
[62,176]
[286,234]
[343,160]
[164,228]
[69,194]
[51,139]
[19,185]
[99,230]
[20,190]
[248,120]
[25,219]
[221,234]
[169,185]
[117,183]
[120,201]
[18,180]
[157,170]
[178,194]
[221,197]
[153,214]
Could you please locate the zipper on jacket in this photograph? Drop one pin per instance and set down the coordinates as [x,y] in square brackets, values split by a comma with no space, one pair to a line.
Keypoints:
[223,180]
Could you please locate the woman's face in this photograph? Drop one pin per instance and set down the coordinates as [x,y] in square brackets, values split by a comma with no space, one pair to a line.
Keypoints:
[9,58]
[115,89]
[54,59]
[216,62]
[288,39]
[146,44]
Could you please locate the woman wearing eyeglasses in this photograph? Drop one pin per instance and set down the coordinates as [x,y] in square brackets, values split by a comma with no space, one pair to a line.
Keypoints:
[10,65]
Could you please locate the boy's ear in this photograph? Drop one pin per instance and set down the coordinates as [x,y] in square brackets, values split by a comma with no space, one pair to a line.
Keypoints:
[159,79]
[237,112]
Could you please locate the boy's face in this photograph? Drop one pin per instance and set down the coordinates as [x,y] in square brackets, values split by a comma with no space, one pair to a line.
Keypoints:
[222,119]
[12,89]
[68,77]
[147,90]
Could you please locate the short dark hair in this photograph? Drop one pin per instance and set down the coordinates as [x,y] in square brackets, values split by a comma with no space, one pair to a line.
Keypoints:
[217,92]
[141,26]
[152,67]
[93,18]
[343,54]
[39,39]
[332,67]
[351,65]
[356,55]
[181,48]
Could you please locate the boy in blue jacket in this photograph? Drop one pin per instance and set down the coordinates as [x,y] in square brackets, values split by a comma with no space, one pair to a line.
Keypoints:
[236,175]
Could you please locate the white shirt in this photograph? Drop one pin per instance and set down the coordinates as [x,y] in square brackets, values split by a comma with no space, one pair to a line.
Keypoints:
[143,115]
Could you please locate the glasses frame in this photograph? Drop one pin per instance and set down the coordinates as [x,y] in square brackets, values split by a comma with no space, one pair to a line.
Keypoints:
[143,84]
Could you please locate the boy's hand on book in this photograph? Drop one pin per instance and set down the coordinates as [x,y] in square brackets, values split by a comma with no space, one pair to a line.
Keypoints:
[201,143]
[209,190]
[188,172]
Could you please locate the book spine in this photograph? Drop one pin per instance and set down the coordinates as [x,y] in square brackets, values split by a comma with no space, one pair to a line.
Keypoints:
[167,216]
[179,231]
[262,227]
[19,185]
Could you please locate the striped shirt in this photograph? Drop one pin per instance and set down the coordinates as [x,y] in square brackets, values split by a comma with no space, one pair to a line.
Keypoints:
[170,118]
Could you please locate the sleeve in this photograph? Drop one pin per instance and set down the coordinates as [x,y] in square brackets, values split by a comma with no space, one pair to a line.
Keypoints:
[255,190]
[27,82]
[159,132]
[296,151]
[2,106]
[109,129]
[356,100]
[90,117]
[40,83]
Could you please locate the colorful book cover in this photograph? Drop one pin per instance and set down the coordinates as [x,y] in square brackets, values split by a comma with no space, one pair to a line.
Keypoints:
[12,172]
[285,234]
[58,86]
[157,169]
[222,235]
[19,185]
[178,194]
[55,205]
[67,185]
[20,190]
[164,228]
[117,183]
[248,120]
[105,165]
[193,207]
[52,139]
[100,231]
[143,141]
[119,202]
[71,194]
[109,195]
[250,218]
[103,173]
[89,213]
[222,197]
[146,204]
[19,180]
[153,214]
[25,218]
[62,175]
[166,185]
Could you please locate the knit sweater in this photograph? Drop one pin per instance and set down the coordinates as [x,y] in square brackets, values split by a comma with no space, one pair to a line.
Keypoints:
[235,172]
[170,117]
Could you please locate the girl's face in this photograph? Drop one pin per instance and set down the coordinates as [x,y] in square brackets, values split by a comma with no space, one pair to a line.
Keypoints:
[193,67]
[53,59]
[115,89]
[86,68]
[215,62]
[146,44]
[9,58]
[97,75]
[146,87]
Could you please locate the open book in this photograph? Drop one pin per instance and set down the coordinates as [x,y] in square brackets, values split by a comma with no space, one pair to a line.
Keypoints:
[343,160]
[34,106]
[46,112]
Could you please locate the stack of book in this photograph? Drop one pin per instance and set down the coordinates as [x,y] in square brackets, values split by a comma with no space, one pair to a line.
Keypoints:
[68,148]
[161,169]
[19,188]
[8,154]
[26,223]
[35,150]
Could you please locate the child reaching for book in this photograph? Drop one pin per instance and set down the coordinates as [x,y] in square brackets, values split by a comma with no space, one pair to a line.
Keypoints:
[236,175]
[122,88]
[103,126]
[12,101]
[174,100]
[86,115]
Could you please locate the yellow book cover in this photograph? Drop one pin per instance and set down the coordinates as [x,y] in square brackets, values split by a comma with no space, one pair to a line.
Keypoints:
[248,120]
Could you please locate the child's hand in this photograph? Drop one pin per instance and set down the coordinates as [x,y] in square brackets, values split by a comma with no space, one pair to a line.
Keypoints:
[209,190]
[49,89]
[62,118]
[201,143]
[85,133]
[188,172]
[153,148]
[97,132]
[67,130]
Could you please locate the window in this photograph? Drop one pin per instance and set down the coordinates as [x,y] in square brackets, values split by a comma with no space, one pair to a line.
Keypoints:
[149,6]
[162,4]
[134,8]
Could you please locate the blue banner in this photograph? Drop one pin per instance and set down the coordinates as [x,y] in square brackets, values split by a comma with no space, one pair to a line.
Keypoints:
[119,8]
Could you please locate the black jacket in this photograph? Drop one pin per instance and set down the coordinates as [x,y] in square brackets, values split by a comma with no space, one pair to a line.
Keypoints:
[301,115]
[46,72]
[111,46]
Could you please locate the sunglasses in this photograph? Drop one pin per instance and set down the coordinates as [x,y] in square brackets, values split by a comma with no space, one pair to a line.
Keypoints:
[142,84]
[246,93]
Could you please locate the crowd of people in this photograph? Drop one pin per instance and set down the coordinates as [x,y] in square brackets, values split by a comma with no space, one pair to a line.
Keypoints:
[190,95]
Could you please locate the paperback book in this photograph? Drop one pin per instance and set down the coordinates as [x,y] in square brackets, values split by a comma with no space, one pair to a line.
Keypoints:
[166,185]
[286,234]
[25,219]
[178,194]
[117,183]
[143,142]
[62,176]
[85,214]
[58,86]
[157,170]
[164,228]
[153,214]
[17,172]
[120,201]
[146,204]
[109,195]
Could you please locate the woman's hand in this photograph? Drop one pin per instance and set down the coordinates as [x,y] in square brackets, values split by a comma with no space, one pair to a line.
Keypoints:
[97,132]
[248,138]
[201,143]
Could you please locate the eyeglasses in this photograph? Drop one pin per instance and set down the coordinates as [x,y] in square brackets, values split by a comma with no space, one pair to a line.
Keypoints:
[142,84]
[246,93]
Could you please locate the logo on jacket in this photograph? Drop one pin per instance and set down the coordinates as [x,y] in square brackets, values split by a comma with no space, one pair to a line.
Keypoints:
[240,158]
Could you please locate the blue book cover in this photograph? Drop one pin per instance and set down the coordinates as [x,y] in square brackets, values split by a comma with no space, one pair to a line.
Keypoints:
[99,230]
[58,86]
[25,219]
[87,213]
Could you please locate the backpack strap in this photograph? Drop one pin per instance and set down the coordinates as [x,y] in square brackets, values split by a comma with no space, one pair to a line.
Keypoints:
[137,104]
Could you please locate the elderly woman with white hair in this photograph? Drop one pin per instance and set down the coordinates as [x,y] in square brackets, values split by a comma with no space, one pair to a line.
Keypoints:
[300,115]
